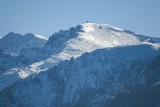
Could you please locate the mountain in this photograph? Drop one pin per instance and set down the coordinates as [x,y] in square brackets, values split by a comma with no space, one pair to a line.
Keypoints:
[12,55]
[89,80]
[88,65]
[86,37]
[13,43]
[11,47]
[74,42]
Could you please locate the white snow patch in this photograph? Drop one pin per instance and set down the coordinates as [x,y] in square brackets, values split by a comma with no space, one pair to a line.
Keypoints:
[41,37]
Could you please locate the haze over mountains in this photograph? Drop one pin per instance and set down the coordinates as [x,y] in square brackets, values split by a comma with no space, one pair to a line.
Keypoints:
[88,65]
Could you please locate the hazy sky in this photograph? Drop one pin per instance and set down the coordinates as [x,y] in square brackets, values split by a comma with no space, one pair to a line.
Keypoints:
[46,17]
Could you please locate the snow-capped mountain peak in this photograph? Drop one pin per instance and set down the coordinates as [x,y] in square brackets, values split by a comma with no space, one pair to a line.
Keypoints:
[90,26]
[13,43]
[83,38]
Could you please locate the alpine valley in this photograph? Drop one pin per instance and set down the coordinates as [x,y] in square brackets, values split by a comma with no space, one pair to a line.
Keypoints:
[90,65]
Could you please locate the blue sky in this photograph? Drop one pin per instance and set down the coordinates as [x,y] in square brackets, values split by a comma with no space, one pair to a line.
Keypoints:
[46,17]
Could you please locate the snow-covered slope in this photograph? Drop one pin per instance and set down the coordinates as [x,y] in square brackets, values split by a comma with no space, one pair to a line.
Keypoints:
[9,61]
[83,38]
[85,81]
[13,43]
